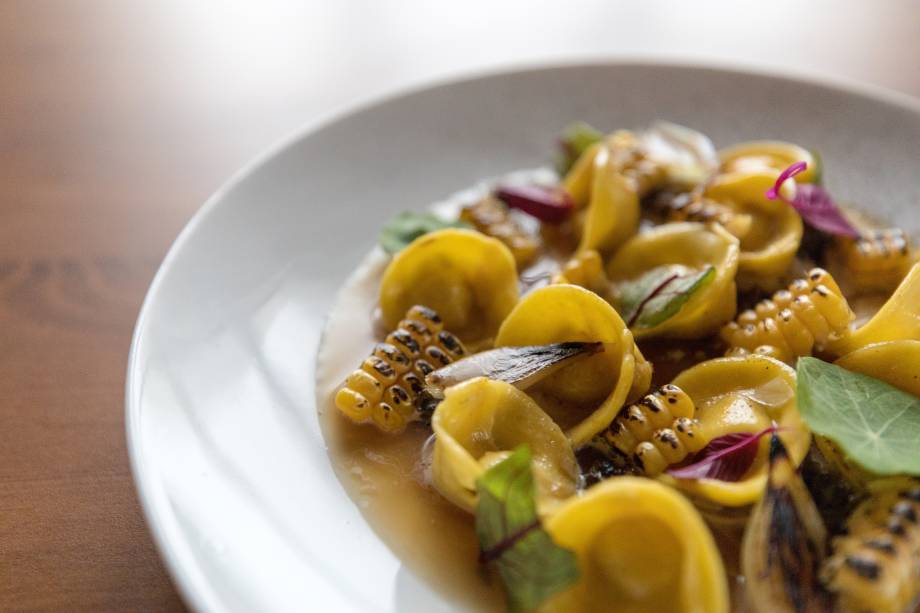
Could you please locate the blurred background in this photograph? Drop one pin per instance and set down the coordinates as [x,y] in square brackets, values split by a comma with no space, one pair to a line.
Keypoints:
[119,118]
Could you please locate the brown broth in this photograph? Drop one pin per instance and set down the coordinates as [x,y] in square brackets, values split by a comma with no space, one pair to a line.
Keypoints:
[384,474]
[434,539]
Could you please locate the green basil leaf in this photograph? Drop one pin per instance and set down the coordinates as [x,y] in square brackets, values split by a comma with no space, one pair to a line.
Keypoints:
[659,294]
[575,140]
[407,226]
[531,565]
[874,423]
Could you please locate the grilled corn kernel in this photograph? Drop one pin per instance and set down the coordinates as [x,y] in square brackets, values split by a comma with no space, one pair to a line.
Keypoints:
[875,565]
[655,432]
[631,159]
[387,390]
[693,206]
[876,261]
[809,314]
[491,217]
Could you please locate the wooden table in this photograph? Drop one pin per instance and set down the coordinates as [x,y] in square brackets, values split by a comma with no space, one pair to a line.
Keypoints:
[118,118]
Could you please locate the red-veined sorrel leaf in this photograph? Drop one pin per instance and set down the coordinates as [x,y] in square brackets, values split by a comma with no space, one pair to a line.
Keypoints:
[659,294]
[813,203]
[725,458]
[548,204]
[532,566]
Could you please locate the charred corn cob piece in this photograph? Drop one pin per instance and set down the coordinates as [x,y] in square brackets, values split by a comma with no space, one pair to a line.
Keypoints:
[632,160]
[656,432]
[692,206]
[491,217]
[809,314]
[388,388]
[876,260]
[875,565]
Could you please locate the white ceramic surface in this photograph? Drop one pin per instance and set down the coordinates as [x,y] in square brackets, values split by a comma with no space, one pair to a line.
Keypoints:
[222,425]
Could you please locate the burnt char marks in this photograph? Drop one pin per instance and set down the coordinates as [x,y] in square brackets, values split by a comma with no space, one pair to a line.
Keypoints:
[388,390]
[864,567]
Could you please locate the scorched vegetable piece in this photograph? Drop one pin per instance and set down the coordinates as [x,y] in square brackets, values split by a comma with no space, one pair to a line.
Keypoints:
[519,366]
[693,206]
[387,390]
[875,565]
[784,543]
[876,261]
[656,432]
[811,313]
[491,217]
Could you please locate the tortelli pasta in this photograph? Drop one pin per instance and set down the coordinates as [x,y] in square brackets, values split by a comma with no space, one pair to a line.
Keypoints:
[469,279]
[585,396]
[604,368]
[479,423]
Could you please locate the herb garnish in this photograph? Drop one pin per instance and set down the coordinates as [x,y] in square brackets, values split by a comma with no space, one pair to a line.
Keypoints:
[531,565]
[407,226]
[659,294]
[874,423]
[726,458]
[813,203]
[574,141]
[549,204]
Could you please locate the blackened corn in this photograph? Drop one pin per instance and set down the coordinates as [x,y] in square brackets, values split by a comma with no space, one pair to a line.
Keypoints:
[630,158]
[491,217]
[656,432]
[876,261]
[692,206]
[875,565]
[388,389]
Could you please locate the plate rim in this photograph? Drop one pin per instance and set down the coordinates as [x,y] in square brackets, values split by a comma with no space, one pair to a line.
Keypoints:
[191,583]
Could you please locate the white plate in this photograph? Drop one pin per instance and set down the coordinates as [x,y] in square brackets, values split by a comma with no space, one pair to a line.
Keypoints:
[222,426]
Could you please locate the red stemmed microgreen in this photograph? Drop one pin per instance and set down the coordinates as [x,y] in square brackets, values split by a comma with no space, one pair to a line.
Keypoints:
[726,458]
[813,203]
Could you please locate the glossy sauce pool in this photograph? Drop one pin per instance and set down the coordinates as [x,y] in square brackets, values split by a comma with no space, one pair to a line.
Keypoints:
[384,474]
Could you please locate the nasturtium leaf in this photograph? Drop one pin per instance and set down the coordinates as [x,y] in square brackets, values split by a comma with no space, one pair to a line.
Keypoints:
[659,294]
[407,226]
[874,423]
[531,565]
[575,140]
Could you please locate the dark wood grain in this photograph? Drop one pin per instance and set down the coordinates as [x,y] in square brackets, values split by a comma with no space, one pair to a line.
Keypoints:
[118,118]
